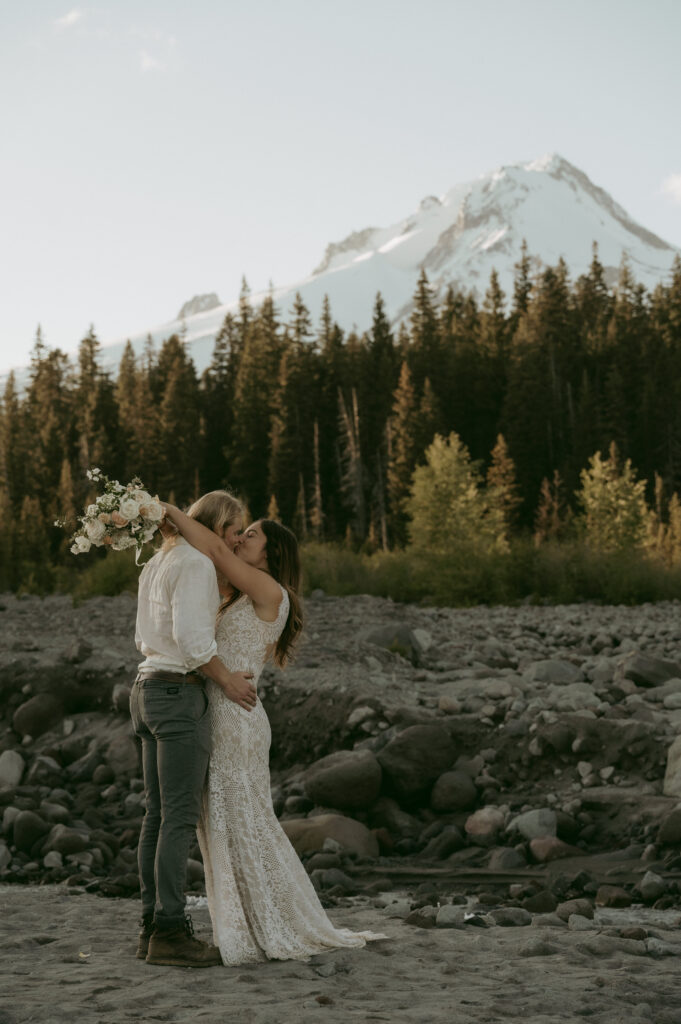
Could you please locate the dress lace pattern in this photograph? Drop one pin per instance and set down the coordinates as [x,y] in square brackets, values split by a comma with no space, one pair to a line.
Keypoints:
[262,903]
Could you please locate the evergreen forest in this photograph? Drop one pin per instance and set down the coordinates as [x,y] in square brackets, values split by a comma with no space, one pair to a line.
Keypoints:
[557,409]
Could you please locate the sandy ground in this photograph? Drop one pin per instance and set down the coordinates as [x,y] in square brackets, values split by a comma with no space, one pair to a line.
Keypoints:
[70,958]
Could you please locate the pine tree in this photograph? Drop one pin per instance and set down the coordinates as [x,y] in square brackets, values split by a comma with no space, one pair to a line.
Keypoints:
[351,454]
[404,452]
[502,489]
[179,424]
[447,504]
[552,516]
[615,515]
[425,339]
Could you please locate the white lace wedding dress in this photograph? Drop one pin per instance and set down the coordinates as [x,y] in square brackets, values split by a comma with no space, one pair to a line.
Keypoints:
[262,903]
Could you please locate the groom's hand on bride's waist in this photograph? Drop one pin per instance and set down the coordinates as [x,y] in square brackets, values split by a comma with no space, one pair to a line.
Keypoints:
[240,689]
[237,686]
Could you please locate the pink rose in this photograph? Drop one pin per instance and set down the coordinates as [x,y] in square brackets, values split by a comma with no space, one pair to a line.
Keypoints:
[118,520]
[104,517]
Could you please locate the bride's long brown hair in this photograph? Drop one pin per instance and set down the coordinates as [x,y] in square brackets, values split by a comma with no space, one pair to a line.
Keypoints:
[283,565]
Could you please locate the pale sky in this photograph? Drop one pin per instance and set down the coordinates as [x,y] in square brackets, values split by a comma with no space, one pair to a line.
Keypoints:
[155,149]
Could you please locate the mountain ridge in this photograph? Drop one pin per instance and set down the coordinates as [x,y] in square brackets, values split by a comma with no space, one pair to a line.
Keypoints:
[457,238]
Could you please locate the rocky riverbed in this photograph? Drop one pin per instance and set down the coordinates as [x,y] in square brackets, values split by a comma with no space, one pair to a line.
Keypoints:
[458,768]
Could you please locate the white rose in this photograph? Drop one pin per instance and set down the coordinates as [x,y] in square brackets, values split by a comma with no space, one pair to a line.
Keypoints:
[129,508]
[95,531]
[140,496]
[121,541]
[148,533]
[152,510]
[81,545]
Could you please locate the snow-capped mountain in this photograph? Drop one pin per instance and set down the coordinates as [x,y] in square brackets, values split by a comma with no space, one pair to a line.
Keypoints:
[457,238]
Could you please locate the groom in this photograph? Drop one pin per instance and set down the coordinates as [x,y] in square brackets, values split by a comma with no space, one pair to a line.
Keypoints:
[177,608]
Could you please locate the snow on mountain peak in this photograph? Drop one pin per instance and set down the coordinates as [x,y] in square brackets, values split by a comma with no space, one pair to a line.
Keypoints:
[457,239]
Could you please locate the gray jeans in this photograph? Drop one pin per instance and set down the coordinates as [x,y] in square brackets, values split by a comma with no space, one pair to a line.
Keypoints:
[172,722]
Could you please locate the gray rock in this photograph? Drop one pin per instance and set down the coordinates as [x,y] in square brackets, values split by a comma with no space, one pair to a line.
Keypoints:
[53,859]
[400,639]
[483,826]
[347,779]
[577,923]
[669,833]
[533,824]
[645,670]
[195,872]
[11,769]
[8,818]
[44,771]
[450,916]
[583,907]
[652,886]
[28,829]
[308,835]
[37,715]
[65,840]
[423,917]
[415,758]
[510,917]
[54,813]
[387,813]
[453,791]
[657,947]
[329,878]
[554,670]
[506,858]
[400,909]
[448,841]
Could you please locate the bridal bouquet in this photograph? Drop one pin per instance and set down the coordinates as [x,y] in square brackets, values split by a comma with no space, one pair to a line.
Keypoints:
[122,516]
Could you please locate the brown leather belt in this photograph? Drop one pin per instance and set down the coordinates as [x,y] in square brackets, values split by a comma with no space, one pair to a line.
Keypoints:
[169,677]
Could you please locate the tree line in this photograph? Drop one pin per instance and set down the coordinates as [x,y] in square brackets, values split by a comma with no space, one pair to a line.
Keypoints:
[325,428]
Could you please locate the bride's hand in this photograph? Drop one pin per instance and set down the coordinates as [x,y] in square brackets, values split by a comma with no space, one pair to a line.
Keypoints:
[167,528]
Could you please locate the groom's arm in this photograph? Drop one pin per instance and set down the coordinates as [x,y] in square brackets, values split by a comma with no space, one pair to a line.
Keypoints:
[194,633]
[237,686]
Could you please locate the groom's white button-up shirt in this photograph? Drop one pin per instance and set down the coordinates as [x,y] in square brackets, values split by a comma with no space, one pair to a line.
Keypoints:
[177,606]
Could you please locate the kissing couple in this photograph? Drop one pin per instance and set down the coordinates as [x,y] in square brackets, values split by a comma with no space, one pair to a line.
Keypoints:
[216,602]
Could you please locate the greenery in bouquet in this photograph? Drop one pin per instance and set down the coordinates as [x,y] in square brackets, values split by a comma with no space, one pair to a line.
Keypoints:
[122,516]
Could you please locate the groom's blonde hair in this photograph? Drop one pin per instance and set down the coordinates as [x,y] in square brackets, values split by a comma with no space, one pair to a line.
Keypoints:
[216,510]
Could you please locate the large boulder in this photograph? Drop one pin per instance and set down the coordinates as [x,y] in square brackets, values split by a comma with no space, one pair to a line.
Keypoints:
[400,639]
[415,758]
[36,715]
[453,791]
[533,824]
[309,834]
[483,826]
[65,840]
[11,769]
[28,829]
[348,779]
[644,670]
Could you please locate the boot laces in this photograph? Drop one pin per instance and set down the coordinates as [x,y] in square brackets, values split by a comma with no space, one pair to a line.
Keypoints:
[189,926]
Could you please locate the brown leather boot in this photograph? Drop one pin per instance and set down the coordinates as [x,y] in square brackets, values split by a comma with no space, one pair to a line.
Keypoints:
[147,927]
[179,948]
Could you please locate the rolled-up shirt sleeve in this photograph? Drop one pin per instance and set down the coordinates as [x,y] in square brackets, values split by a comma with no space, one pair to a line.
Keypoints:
[193,611]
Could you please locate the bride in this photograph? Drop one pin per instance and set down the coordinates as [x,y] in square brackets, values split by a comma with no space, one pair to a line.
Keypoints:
[262,903]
